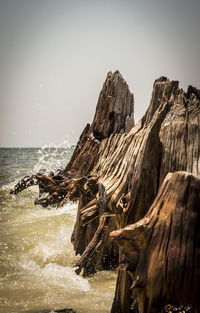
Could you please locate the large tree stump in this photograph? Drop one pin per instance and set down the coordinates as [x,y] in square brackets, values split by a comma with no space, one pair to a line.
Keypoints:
[116,169]
[161,252]
[174,146]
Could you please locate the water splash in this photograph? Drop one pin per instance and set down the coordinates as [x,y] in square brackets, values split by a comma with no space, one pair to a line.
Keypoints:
[53,157]
[15,163]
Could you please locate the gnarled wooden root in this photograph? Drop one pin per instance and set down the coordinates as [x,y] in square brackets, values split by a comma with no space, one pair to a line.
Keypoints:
[24,183]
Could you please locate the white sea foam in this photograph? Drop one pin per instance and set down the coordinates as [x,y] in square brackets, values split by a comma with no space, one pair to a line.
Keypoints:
[53,274]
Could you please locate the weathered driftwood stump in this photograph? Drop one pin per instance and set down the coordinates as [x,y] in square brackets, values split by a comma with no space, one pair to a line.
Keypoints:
[117,169]
[114,115]
[166,140]
[161,252]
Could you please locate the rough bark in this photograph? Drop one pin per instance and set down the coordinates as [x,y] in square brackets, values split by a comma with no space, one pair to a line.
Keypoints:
[161,251]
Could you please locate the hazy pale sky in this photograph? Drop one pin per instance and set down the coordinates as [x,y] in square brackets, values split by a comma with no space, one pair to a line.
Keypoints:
[55,54]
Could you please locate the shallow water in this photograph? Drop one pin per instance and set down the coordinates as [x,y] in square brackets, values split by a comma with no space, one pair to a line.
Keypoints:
[37,258]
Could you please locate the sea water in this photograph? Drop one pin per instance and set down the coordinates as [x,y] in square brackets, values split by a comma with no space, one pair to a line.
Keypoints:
[37,260]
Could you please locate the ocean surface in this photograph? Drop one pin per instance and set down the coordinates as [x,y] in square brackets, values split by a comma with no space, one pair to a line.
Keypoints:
[36,255]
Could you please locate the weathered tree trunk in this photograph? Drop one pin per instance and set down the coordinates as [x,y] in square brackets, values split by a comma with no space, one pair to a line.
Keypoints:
[116,169]
[161,251]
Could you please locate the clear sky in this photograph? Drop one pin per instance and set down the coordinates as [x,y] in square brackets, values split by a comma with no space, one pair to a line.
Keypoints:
[55,54]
